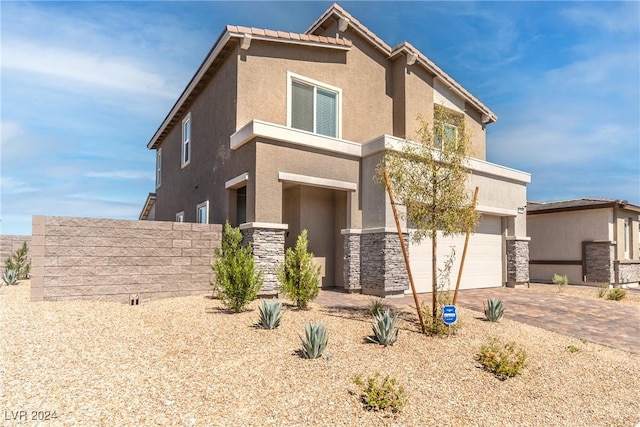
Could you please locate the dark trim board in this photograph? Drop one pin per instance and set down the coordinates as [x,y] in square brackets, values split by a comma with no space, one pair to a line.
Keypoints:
[556,262]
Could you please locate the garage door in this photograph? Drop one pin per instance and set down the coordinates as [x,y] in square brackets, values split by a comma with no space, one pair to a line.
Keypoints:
[482,267]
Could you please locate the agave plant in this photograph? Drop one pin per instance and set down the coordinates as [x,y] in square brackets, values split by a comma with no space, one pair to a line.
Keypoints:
[384,328]
[270,314]
[493,311]
[10,277]
[316,340]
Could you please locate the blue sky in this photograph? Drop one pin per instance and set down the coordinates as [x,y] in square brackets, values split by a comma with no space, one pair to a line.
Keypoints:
[86,84]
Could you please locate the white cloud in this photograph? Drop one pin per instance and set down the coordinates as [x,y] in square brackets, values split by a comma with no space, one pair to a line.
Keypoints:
[111,72]
[122,174]
[12,185]
[615,17]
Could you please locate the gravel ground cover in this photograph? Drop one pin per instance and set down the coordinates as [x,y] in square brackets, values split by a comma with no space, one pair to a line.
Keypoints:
[187,361]
[632,298]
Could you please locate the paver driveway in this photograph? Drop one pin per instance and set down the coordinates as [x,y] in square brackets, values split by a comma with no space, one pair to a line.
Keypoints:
[600,321]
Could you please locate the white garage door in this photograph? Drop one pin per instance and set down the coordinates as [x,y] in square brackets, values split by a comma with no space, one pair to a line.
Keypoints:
[483,264]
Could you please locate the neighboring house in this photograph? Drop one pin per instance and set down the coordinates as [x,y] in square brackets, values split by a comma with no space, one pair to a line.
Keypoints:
[279,132]
[590,240]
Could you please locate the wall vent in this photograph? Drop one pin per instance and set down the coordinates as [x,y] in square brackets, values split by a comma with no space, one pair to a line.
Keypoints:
[134,299]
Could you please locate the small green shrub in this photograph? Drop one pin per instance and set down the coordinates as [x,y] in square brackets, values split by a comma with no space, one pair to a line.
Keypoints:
[10,277]
[378,306]
[560,281]
[237,280]
[573,349]
[603,288]
[18,262]
[616,294]
[385,331]
[494,310]
[270,314]
[299,277]
[381,395]
[503,360]
[315,341]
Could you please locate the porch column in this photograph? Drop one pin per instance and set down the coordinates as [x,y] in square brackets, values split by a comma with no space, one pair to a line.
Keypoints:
[267,240]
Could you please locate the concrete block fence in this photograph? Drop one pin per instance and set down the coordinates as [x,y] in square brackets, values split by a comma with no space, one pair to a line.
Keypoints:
[120,260]
[9,244]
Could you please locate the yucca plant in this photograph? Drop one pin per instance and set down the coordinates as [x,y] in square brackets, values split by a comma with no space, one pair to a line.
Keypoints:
[10,277]
[384,328]
[378,306]
[270,314]
[493,311]
[316,340]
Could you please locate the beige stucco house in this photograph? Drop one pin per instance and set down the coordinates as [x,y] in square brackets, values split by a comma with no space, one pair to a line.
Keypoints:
[590,240]
[278,132]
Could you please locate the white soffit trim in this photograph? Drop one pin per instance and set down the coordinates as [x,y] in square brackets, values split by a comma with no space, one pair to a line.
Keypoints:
[273,225]
[313,181]
[491,210]
[237,181]
[387,142]
[258,128]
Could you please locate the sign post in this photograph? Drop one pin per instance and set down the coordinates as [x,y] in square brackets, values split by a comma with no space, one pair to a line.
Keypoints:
[449,315]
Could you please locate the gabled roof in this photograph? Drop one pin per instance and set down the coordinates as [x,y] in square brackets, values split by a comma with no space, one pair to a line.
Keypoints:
[579,204]
[337,12]
[244,35]
[148,205]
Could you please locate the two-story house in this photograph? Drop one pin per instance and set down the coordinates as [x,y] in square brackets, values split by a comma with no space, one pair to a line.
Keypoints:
[279,132]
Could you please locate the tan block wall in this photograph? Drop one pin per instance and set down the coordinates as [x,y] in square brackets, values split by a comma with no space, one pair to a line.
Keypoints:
[9,244]
[107,259]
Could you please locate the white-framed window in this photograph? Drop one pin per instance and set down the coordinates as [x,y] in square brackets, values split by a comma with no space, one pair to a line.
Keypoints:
[158,167]
[202,213]
[627,238]
[446,132]
[180,217]
[186,140]
[314,106]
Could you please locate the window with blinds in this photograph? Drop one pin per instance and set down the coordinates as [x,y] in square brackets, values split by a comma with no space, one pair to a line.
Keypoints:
[314,109]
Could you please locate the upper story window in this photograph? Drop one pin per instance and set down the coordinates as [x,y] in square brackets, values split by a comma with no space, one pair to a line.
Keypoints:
[180,216]
[202,213]
[448,126]
[158,167]
[186,140]
[446,132]
[314,106]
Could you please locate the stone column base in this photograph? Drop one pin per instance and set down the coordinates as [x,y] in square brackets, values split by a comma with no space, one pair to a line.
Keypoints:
[351,271]
[517,262]
[267,241]
[382,268]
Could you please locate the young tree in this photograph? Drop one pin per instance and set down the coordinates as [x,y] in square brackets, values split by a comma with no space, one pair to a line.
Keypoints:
[299,277]
[236,279]
[428,177]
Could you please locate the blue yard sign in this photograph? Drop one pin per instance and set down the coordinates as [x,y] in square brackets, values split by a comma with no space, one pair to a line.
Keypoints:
[449,314]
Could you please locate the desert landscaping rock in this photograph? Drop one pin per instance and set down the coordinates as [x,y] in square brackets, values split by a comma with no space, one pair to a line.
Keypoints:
[187,361]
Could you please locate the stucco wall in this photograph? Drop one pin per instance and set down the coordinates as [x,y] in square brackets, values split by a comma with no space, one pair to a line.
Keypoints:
[559,236]
[106,259]
[9,244]
[213,117]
